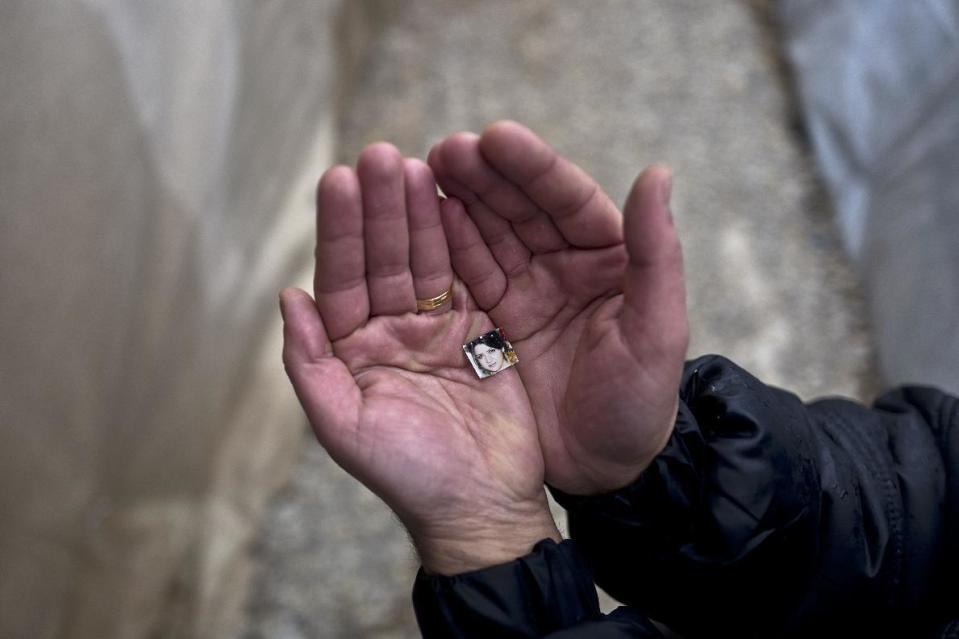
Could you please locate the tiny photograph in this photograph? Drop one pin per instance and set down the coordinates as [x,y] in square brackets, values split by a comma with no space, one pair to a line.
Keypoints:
[490,353]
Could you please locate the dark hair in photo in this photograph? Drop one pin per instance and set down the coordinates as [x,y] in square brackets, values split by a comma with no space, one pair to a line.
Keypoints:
[493,339]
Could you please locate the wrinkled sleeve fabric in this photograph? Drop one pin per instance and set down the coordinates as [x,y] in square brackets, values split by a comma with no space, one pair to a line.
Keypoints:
[764,516]
[547,593]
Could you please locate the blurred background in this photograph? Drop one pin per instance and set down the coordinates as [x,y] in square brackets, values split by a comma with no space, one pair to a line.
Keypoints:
[157,168]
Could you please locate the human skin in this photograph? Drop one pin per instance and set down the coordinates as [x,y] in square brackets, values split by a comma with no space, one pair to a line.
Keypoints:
[388,391]
[592,299]
[595,307]
[489,358]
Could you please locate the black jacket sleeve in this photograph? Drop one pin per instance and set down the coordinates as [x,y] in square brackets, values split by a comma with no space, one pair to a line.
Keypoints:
[547,593]
[767,517]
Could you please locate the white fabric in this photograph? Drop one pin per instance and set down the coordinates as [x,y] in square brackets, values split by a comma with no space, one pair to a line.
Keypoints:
[157,164]
[879,87]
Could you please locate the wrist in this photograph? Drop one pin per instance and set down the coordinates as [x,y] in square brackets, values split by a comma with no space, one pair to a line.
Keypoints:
[613,469]
[483,540]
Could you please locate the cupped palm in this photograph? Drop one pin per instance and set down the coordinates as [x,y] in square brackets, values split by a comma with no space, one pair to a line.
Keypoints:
[388,391]
[594,304]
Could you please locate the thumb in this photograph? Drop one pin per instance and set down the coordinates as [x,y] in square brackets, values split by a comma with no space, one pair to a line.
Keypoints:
[653,319]
[323,383]
[304,337]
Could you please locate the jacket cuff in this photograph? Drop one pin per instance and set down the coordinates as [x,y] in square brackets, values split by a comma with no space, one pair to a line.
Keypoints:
[549,589]
[729,506]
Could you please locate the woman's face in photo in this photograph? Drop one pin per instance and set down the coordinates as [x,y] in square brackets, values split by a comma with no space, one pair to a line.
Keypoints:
[489,358]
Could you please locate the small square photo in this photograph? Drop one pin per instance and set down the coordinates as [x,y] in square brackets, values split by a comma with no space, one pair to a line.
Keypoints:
[490,353]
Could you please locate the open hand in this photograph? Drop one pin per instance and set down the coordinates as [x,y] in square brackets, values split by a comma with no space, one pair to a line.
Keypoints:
[389,392]
[594,304]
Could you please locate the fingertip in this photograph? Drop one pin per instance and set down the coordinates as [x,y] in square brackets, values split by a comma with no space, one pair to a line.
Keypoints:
[415,164]
[502,139]
[651,193]
[336,178]
[417,170]
[459,141]
[291,291]
[440,170]
[457,151]
[378,159]
[337,201]
[521,157]
[650,234]
[380,147]
[659,179]
[292,301]
[283,297]
[460,137]
[433,157]
[658,171]
[505,127]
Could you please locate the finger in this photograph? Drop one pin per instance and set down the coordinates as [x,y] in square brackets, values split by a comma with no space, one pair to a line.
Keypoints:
[581,211]
[508,250]
[654,310]
[429,255]
[472,260]
[450,187]
[463,164]
[339,282]
[500,237]
[386,236]
[323,384]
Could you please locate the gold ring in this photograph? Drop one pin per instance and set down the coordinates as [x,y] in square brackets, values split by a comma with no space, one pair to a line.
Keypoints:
[434,303]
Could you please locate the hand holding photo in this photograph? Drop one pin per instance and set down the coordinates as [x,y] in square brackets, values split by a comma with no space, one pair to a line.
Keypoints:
[490,353]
